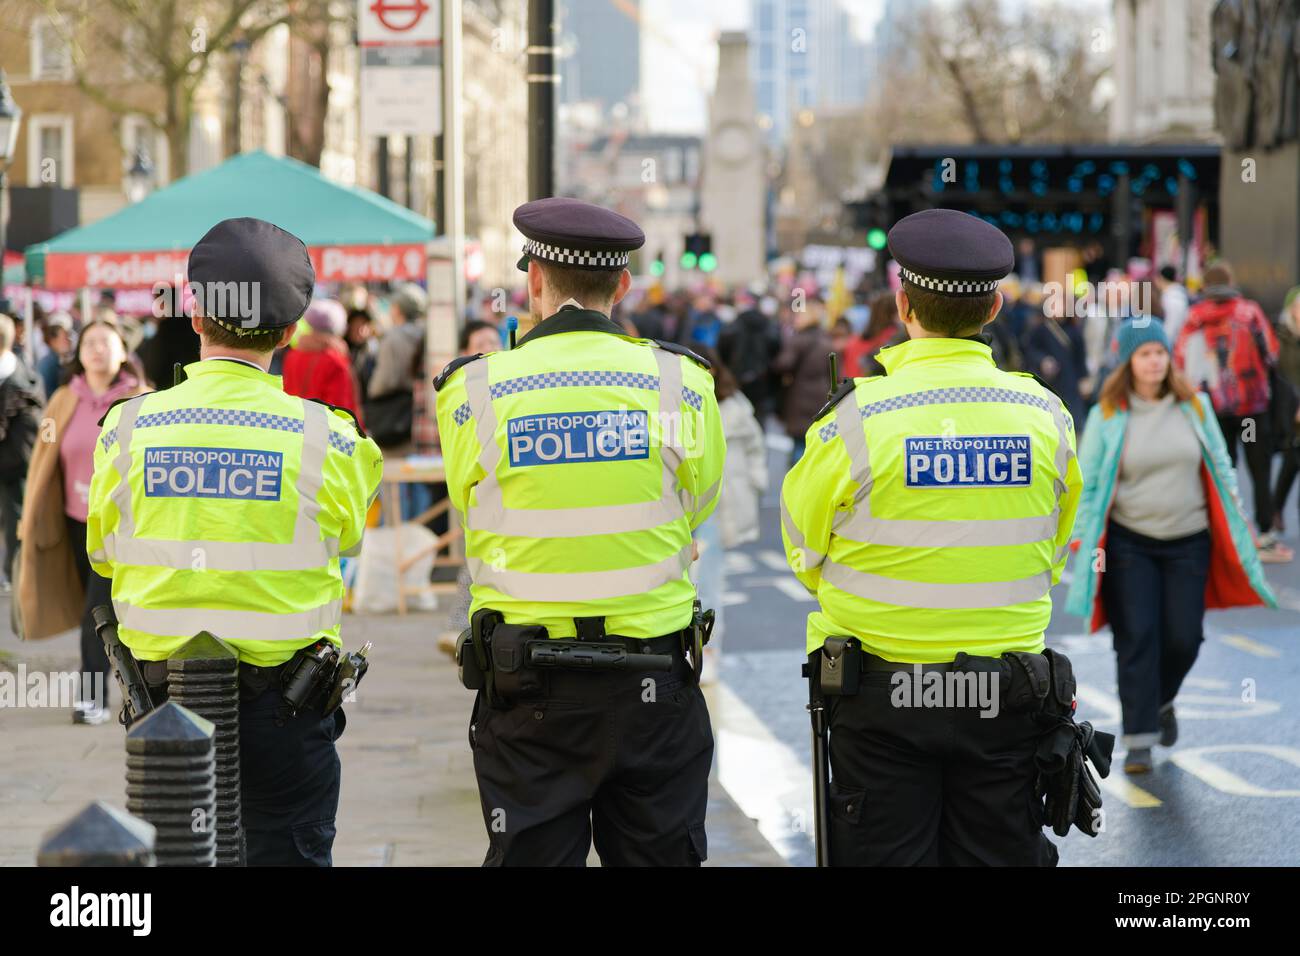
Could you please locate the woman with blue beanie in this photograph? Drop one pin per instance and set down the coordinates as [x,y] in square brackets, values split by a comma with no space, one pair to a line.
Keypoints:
[1160,532]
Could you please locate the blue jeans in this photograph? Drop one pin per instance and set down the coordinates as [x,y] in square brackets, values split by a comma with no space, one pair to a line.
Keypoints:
[1154,595]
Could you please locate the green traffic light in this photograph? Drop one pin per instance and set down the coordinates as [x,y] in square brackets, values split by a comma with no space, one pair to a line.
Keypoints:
[689,260]
[708,262]
[876,239]
[657,267]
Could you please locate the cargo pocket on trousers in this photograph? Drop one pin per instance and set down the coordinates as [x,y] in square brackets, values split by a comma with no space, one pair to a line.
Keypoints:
[314,842]
[699,843]
[848,806]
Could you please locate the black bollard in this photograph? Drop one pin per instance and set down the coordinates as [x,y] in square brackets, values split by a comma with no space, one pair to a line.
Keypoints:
[99,835]
[204,676]
[171,783]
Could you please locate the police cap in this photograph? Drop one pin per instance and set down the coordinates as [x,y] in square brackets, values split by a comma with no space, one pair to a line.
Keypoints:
[570,232]
[950,252]
[270,270]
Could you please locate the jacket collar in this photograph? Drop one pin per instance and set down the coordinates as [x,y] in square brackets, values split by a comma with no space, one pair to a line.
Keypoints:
[572,319]
[920,352]
[238,369]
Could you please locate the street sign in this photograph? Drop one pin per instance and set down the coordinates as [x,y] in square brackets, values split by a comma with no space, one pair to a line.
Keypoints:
[401,67]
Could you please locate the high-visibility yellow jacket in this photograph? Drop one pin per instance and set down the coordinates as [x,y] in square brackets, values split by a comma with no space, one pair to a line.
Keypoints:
[931,512]
[581,461]
[222,505]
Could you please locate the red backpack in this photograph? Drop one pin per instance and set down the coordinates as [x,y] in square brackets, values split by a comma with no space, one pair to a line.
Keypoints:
[1226,348]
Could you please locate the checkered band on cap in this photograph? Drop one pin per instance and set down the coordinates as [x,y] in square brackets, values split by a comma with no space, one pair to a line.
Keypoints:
[577,257]
[239,329]
[951,286]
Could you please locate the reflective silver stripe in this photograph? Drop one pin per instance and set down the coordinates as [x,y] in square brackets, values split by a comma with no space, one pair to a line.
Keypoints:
[670,420]
[98,557]
[1063,452]
[920,594]
[487,491]
[580,585]
[697,503]
[311,478]
[121,495]
[230,625]
[221,555]
[490,515]
[848,420]
[812,559]
[864,528]
[306,552]
[353,551]
[574,522]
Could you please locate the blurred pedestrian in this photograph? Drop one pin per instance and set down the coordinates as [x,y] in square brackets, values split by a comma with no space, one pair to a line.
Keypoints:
[57,332]
[883,330]
[21,400]
[802,363]
[1173,301]
[57,588]
[735,520]
[173,342]
[706,326]
[1227,347]
[1160,533]
[362,345]
[1055,351]
[1288,370]
[317,366]
[747,347]
[390,405]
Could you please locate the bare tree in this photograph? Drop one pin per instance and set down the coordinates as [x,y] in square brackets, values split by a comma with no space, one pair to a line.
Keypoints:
[986,72]
[150,57]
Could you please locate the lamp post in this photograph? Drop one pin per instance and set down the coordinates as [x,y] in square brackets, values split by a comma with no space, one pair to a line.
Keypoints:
[11,115]
[139,178]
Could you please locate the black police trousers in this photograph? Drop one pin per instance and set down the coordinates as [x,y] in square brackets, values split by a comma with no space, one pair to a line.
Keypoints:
[931,786]
[621,756]
[289,775]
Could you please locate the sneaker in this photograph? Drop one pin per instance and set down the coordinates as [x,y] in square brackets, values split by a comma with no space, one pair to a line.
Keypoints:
[1138,760]
[88,712]
[1273,551]
[1168,726]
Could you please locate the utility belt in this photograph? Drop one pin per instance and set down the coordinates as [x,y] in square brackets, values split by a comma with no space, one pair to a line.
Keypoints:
[315,675]
[1040,685]
[509,661]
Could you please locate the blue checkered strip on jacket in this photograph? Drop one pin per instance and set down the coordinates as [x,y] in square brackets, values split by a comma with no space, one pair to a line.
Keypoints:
[529,383]
[943,396]
[339,443]
[227,416]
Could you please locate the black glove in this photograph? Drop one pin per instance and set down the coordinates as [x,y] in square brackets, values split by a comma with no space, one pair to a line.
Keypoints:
[1071,793]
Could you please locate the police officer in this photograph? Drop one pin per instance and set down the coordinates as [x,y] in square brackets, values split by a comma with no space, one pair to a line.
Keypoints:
[223,505]
[930,516]
[581,461]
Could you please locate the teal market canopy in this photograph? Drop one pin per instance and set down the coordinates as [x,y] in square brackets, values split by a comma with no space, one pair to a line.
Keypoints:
[351,234]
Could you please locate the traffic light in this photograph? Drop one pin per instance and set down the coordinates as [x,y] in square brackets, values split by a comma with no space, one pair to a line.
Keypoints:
[657,267]
[877,238]
[699,252]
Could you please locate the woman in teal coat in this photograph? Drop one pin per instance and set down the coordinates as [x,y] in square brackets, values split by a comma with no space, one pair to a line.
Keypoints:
[1160,533]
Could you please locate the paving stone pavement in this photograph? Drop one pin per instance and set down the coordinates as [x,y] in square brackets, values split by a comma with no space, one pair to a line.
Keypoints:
[409,797]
